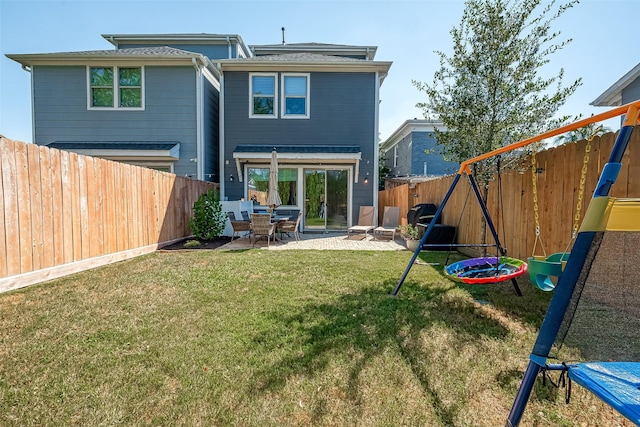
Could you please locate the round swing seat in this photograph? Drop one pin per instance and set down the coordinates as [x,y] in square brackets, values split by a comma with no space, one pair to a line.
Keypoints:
[478,271]
[545,272]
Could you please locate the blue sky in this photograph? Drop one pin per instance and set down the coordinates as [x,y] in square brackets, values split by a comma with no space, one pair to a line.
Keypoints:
[406,32]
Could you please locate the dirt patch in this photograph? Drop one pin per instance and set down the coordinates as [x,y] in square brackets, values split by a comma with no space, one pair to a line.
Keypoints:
[204,244]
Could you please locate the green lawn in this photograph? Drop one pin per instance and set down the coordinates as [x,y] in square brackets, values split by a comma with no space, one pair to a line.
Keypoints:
[271,338]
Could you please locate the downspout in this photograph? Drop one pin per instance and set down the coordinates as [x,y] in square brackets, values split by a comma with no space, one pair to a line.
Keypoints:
[199,134]
[376,148]
[33,114]
[229,47]
[221,144]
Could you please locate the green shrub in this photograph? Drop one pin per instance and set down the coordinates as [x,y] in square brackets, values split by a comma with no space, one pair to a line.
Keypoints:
[208,220]
[191,244]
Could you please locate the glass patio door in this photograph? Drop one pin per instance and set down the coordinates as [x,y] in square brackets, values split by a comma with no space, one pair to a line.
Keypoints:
[326,199]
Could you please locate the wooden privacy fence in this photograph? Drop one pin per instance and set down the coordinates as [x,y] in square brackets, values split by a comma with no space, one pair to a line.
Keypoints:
[558,185]
[61,212]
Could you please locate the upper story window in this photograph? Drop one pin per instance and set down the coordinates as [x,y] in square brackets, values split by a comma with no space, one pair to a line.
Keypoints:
[116,87]
[395,156]
[263,95]
[295,94]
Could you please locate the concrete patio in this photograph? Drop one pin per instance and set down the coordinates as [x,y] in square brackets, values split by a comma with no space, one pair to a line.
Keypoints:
[321,241]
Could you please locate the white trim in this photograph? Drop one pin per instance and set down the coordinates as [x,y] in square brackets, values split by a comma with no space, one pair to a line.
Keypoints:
[200,160]
[275,96]
[376,150]
[284,157]
[221,142]
[116,89]
[211,78]
[307,97]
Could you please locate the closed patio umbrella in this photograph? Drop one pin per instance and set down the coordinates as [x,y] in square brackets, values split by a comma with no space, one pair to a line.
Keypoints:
[273,198]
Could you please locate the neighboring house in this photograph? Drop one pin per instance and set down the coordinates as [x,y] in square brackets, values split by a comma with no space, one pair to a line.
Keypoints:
[412,151]
[625,90]
[317,106]
[205,106]
[152,101]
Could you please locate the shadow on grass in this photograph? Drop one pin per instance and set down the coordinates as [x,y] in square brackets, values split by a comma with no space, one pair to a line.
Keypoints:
[366,324]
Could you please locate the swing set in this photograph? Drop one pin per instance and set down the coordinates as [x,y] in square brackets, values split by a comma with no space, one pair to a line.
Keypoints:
[595,309]
[495,269]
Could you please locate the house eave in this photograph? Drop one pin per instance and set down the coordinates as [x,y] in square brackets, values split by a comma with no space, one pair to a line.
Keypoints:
[409,126]
[612,97]
[354,67]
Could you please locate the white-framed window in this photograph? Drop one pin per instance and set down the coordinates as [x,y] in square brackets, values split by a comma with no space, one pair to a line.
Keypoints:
[395,156]
[295,96]
[115,88]
[262,93]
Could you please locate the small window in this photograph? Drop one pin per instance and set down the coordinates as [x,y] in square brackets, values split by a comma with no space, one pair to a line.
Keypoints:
[107,91]
[295,94]
[395,156]
[263,95]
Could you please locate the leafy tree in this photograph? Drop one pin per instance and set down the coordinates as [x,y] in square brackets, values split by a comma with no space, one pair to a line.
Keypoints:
[491,92]
[208,220]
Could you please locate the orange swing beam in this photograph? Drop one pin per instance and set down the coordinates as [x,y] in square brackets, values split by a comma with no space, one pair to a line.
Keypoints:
[631,109]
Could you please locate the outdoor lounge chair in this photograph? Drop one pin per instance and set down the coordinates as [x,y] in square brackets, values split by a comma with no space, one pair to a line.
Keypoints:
[390,222]
[365,221]
[261,225]
[291,226]
[239,226]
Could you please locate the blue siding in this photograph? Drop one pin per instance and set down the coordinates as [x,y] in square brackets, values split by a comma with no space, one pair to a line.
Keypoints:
[218,51]
[436,165]
[61,113]
[412,157]
[631,92]
[342,112]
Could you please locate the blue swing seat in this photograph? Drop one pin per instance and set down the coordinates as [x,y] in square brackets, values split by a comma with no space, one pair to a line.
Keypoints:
[541,270]
[616,383]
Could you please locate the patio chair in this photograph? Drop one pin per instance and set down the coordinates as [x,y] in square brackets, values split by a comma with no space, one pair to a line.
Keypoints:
[239,226]
[245,216]
[365,222]
[291,226]
[390,222]
[261,225]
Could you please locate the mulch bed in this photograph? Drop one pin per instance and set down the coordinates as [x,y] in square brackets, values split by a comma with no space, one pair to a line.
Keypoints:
[204,244]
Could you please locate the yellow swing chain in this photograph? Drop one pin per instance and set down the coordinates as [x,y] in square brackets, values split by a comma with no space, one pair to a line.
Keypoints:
[536,217]
[583,177]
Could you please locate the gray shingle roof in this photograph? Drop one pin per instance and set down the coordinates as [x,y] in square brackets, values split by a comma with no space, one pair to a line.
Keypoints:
[92,145]
[138,51]
[302,57]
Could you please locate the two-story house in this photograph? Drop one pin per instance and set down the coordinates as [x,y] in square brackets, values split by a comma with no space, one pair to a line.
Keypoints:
[152,101]
[317,106]
[205,106]
[412,150]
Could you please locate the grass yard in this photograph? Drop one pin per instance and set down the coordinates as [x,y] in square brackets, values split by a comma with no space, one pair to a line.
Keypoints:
[273,338]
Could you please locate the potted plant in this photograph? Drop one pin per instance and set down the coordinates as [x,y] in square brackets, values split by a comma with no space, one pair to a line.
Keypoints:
[411,234]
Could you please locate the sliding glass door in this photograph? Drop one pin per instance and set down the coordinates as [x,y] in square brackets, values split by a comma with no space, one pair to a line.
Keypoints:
[326,199]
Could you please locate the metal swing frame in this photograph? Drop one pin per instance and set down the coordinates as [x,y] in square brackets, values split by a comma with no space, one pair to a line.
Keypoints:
[629,109]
